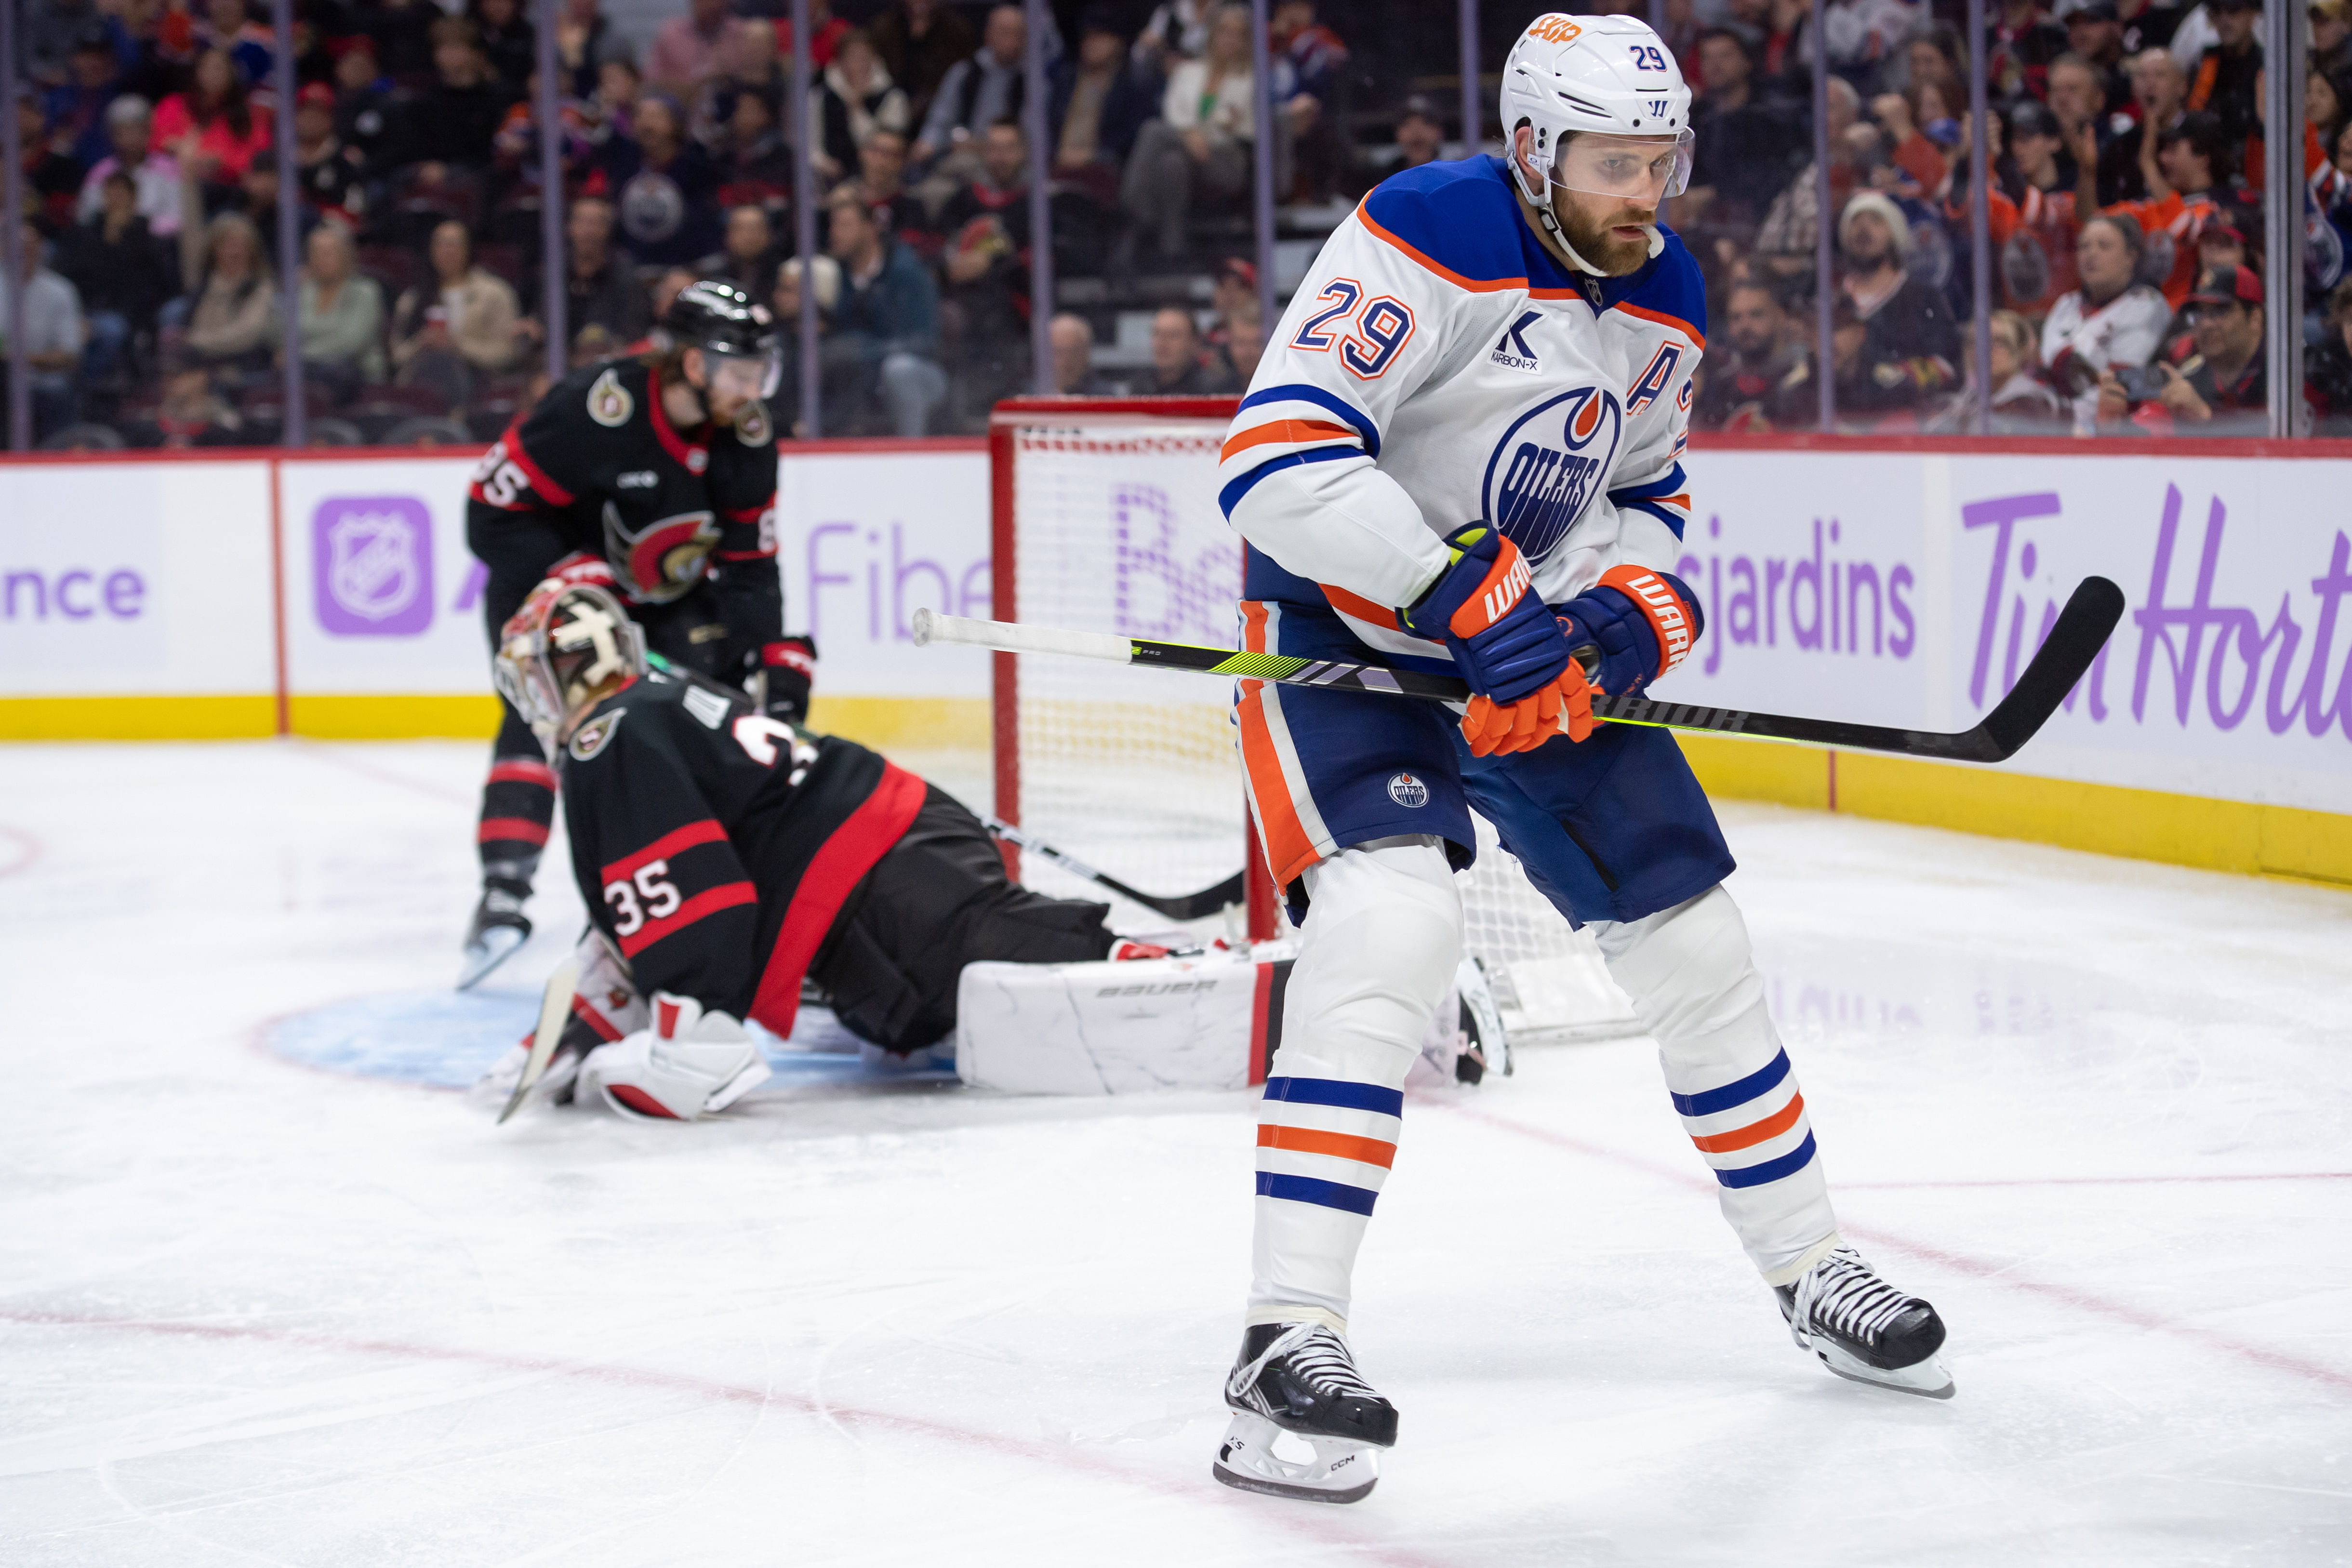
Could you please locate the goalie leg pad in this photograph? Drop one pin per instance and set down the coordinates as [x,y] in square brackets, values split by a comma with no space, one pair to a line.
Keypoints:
[687,1064]
[1694,987]
[1383,941]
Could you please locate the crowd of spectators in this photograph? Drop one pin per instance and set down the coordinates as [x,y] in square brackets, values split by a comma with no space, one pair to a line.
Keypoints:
[2127,141]
[154,312]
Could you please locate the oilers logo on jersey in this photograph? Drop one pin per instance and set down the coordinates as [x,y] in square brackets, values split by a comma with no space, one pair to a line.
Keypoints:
[1547,466]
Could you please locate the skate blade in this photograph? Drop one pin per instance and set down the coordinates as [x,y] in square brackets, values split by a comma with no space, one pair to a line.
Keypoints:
[1340,1470]
[1926,1379]
[485,952]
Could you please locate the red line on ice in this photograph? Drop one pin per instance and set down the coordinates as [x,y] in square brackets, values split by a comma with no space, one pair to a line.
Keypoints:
[1206,1491]
[28,849]
[1982,1269]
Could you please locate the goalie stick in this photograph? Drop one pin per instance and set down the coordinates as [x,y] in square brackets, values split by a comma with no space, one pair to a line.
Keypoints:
[1184,907]
[554,1008]
[2081,631]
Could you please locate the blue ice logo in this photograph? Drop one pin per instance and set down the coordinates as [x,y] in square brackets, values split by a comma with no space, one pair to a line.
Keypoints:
[1548,466]
[1408,791]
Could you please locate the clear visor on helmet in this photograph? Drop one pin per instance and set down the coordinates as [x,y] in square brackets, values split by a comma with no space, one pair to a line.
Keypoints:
[1640,170]
[746,375]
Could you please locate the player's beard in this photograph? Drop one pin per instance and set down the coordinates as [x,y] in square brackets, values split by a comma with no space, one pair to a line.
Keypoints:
[1592,238]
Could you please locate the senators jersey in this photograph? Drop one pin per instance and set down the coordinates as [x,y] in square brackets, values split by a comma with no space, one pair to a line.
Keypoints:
[715,847]
[597,466]
[1440,366]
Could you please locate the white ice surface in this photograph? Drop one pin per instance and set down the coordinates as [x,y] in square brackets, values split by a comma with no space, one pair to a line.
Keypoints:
[252,1313]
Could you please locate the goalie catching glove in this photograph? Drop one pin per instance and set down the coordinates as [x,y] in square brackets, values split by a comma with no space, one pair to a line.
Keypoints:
[1526,683]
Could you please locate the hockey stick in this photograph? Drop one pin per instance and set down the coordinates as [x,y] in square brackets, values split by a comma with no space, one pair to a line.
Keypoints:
[2065,655]
[554,1008]
[1185,906]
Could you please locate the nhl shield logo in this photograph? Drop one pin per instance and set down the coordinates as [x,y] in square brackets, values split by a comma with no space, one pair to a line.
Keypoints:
[373,565]
[1408,791]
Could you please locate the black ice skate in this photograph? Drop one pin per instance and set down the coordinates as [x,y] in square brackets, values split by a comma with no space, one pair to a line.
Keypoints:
[500,927]
[1306,1423]
[1859,1327]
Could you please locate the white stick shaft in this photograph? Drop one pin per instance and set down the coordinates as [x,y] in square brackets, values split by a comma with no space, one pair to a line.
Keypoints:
[930,626]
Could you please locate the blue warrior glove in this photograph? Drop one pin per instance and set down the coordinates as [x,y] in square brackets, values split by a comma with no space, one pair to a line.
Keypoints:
[1643,623]
[1512,651]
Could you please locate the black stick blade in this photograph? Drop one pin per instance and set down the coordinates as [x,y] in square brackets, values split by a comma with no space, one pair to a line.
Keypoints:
[2082,630]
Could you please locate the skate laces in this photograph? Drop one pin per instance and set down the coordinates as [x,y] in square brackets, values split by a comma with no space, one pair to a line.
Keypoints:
[1842,1293]
[1316,1354]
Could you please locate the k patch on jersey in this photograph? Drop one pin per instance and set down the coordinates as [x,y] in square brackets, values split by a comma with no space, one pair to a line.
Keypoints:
[1550,465]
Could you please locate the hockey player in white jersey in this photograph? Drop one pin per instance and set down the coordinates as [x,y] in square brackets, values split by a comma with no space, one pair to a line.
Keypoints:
[1462,452]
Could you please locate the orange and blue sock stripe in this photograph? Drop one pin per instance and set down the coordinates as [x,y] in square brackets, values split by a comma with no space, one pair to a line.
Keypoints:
[1753,1129]
[1327,1141]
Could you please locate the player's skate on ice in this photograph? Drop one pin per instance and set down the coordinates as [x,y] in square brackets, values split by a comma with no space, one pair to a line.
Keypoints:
[1462,452]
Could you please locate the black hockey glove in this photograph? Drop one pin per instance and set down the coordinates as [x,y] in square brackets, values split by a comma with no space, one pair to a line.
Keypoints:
[790,666]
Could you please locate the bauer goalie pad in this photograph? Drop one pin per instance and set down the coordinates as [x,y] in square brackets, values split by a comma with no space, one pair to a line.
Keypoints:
[1210,1020]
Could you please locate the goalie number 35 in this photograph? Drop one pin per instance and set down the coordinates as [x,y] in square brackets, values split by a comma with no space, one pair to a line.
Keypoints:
[651,885]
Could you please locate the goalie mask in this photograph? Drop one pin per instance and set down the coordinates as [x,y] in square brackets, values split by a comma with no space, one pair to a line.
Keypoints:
[569,647]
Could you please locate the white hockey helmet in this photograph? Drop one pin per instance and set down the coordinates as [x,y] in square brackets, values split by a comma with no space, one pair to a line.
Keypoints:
[1612,82]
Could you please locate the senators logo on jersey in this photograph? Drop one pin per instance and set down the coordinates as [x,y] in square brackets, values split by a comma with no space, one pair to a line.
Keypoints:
[661,561]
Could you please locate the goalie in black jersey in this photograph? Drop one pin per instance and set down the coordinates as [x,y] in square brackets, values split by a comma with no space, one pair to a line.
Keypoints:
[726,854]
[653,476]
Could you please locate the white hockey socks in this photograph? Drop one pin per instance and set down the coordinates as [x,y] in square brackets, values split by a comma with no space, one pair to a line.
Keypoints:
[1382,938]
[1694,986]
[688,1063]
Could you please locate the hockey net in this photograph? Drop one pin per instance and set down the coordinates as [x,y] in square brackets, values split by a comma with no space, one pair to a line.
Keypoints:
[1105,520]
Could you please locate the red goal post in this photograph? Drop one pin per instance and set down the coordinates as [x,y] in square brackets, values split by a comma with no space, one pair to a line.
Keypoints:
[1159,453]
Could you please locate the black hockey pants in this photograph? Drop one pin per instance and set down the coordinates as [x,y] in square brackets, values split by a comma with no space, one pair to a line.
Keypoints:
[938,900]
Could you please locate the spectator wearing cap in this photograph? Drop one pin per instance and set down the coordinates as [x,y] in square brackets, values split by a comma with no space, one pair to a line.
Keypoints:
[1099,107]
[1420,133]
[1909,352]
[123,275]
[53,334]
[74,112]
[2327,369]
[1744,151]
[2032,213]
[2095,34]
[2222,388]
[2186,183]
[2021,42]
[2226,81]
[325,171]
[1199,146]
[1233,290]
[154,174]
[920,41]
[687,50]
[1764,381]
[2110,321]
[888,324]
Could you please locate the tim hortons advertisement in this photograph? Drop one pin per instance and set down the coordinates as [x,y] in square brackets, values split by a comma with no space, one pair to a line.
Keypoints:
[135,579]
[1911,589]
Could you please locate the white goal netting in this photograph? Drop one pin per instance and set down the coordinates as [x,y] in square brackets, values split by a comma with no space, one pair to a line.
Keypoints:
[1115,527]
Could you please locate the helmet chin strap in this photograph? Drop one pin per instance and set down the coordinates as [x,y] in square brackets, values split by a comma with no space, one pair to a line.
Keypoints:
[1551,226]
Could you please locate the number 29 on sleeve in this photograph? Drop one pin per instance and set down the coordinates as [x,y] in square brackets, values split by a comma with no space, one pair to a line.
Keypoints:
[1369,334]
